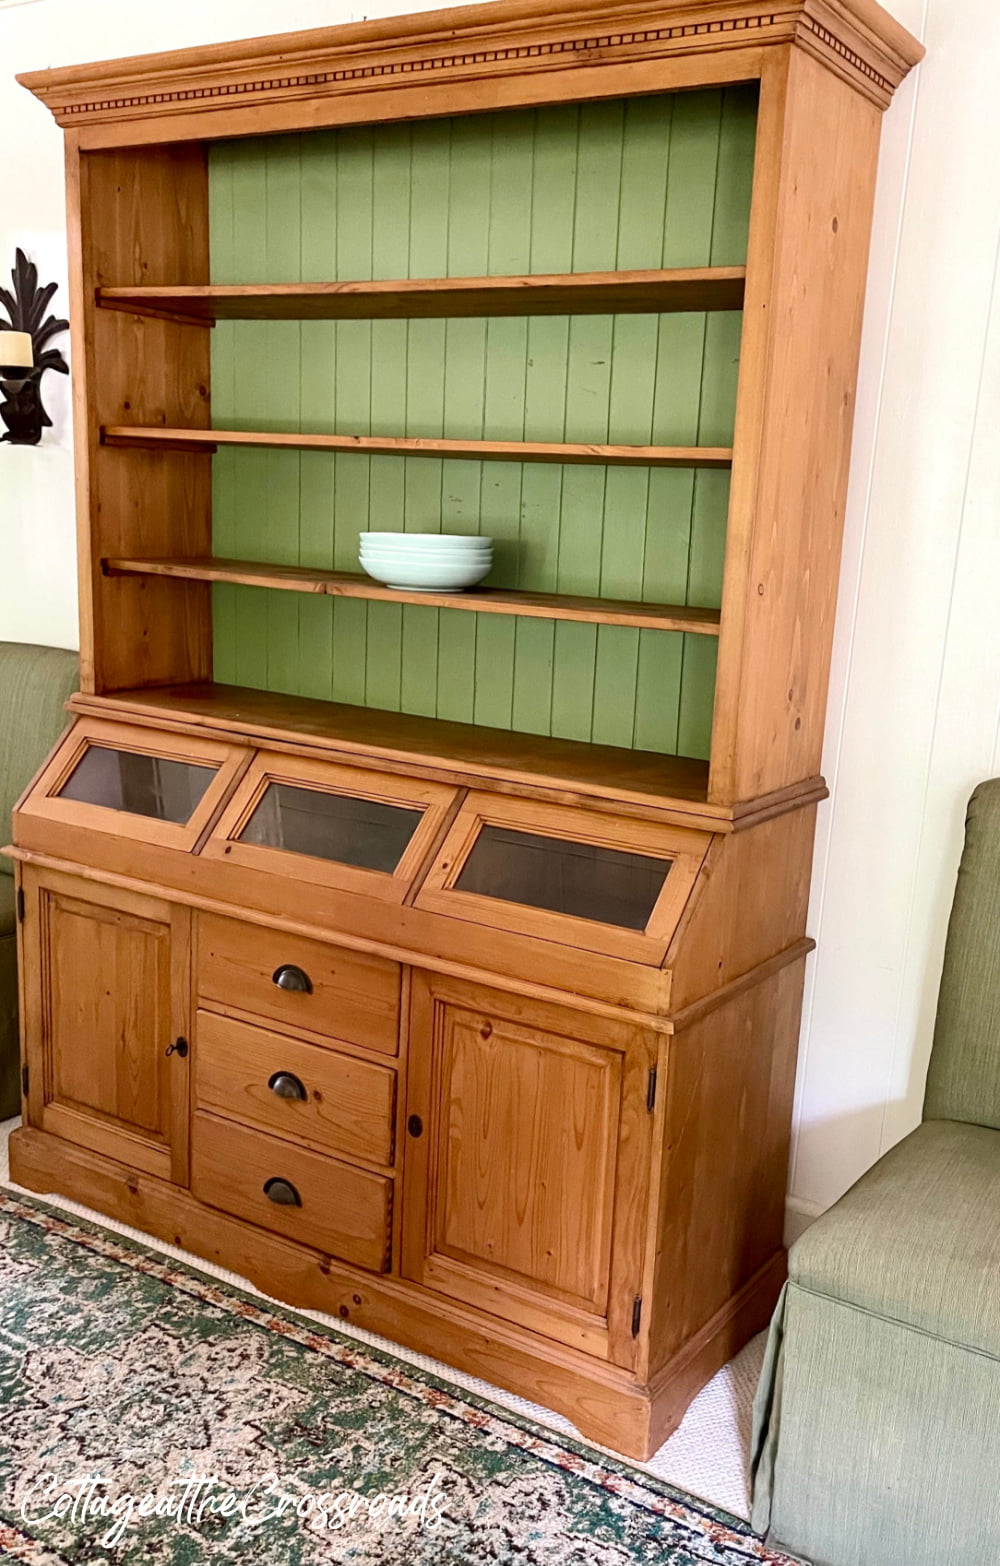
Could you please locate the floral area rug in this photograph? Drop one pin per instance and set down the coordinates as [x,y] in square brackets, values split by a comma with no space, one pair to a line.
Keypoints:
[151,1414]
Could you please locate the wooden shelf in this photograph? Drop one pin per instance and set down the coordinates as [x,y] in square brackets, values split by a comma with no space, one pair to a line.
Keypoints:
[349,584]
[581,293]
[642,777]
[156,437]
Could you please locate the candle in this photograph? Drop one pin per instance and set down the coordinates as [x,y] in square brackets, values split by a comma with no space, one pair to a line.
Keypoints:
[16,350]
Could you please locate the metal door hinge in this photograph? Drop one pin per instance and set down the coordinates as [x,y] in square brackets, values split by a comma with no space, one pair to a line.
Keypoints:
[20,905]
[636,1315]
[651,1091]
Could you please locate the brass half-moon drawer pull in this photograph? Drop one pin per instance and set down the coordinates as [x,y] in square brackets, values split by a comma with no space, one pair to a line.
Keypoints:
[287,1085]
[291,977]
[282,1193]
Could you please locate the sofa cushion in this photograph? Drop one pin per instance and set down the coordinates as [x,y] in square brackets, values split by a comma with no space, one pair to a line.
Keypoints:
[917,1240]
[963,1082]
[35,683]
[8,919]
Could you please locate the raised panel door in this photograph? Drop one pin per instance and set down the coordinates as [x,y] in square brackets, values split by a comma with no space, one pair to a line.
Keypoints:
[527,1162]
[106,1004]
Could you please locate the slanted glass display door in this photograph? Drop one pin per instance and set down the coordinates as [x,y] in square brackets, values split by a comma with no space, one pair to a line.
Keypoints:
[604,883]
[136,782]
[339,826]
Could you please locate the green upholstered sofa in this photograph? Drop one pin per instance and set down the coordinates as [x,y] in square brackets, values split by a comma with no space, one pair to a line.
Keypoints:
[877,1419]
[35,683]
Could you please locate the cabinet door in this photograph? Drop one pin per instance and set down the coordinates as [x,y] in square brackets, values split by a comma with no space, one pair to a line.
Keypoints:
[527,1162]
[338,826]
[566,875]
[133,782]
[106,982]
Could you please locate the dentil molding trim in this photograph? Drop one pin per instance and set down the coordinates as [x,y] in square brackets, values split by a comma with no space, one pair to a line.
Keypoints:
[858,40]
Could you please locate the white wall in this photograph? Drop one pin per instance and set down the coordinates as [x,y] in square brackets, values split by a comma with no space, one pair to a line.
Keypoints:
[915,695]
[915,699]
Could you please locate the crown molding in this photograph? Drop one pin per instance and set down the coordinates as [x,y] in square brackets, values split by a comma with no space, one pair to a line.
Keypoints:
[858,40]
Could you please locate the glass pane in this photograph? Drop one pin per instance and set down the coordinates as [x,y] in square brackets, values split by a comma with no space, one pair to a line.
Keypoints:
[603,884]
[141,785]
[351,831]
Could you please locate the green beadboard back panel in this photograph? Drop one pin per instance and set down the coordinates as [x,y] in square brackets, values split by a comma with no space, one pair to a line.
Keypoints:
[645,182]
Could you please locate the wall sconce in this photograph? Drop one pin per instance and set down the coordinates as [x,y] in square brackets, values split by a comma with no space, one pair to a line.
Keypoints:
[24,356]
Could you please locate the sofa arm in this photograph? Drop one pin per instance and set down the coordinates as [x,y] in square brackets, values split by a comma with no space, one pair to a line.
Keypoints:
[10,1058]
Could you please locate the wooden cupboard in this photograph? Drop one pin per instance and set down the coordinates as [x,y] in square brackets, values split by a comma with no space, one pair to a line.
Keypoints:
[436,960]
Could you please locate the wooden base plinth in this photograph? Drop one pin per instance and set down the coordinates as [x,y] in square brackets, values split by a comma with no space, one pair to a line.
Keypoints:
[607,1405]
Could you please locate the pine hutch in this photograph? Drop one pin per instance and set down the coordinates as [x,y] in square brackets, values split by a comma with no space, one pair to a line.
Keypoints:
[436,961]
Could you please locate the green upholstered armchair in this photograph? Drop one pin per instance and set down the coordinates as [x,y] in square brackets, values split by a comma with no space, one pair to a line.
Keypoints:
[877,1419]
[35,683]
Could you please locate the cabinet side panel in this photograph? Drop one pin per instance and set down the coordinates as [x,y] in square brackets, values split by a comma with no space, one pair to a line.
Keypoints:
[730,1083]
[139,217]
[749,904]
[810,233]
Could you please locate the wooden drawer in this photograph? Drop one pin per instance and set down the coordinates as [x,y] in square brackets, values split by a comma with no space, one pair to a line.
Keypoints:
[349,1104]
[343,1211]
[351,996]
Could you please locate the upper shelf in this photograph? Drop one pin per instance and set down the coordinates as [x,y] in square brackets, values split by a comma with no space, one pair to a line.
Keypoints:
[157,437]
[577,293]
[347,584]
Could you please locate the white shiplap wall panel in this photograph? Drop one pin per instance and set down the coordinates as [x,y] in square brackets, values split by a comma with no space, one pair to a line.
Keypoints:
[898,755]
[965,724]
[896,150]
